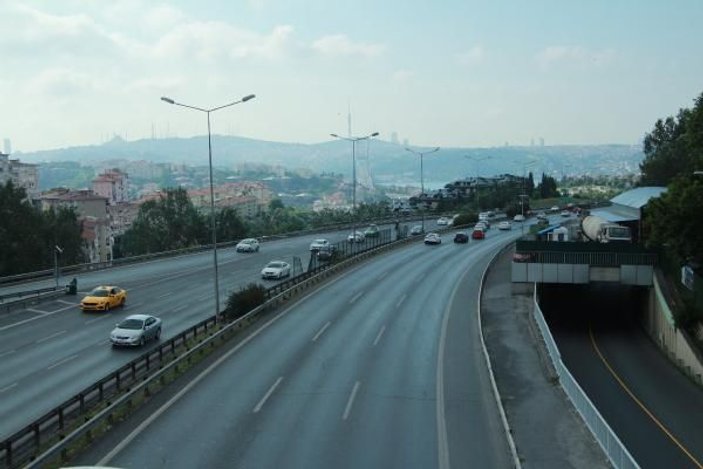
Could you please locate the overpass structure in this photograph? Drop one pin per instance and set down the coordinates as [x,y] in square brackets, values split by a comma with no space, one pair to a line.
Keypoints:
[582,263]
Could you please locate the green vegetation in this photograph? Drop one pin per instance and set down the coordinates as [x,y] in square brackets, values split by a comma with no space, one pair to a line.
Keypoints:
[244,300]
[28,234]
[674,223]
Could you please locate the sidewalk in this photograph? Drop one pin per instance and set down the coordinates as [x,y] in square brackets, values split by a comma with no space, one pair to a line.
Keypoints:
[548,432]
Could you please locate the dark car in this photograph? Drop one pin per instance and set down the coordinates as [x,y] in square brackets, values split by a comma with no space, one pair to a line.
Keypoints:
[461,237]
[416,230]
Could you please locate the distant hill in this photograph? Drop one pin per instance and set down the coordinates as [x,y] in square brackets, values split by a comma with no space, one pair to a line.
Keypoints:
[388,162]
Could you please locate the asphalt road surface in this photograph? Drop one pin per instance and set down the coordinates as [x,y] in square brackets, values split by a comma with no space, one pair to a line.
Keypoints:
[381,367]
[51,351]
[655,410]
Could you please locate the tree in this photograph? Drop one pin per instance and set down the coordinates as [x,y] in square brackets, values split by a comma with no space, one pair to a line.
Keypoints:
[675,220]
[548,187]
[62,228]
[171,222]
[28,235]
[22,245]
[229,226]
[674,147]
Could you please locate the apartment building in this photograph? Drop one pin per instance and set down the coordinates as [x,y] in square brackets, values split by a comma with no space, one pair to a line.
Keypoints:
[21,174]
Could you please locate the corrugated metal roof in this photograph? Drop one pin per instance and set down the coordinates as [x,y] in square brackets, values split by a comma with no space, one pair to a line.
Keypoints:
[638,198]
[616,214]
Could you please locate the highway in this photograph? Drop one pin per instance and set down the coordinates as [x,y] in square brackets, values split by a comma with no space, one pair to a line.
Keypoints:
[52,350]
[653,407]
[381,367]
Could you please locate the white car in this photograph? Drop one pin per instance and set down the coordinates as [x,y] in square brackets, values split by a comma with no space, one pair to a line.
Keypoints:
[136,330]
[433,238]
[247,245]
[318,244]
[505,225]
[519,217]
[356,237]
[481,226]
[565,213]
[275,270]
[443,221]
[555,208]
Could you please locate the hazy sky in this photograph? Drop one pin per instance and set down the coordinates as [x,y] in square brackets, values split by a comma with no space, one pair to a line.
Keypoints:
[444,72]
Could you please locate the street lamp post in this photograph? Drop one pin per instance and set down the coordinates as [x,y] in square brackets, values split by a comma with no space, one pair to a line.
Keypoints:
[57,251]
[212,190]
[353,141]
[477,160]
[523,195]
[422,178]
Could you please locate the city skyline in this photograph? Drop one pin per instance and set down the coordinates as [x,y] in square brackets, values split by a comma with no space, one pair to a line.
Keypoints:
[455,74]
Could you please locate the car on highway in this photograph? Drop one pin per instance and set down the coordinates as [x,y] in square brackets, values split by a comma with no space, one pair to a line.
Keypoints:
[565,213]
[247,245]
[541,216]
[103,298]
[519,218]
[275,270]
[326,254]
[356,237]
[320,243]
[136,330]
[461,237]
[433,238]
[478,234]
[505,225]
[443,221]
[416,230]
[371,232]
[555,208]
[481,226]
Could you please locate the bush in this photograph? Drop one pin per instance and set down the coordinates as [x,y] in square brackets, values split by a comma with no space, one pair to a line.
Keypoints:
[466,219]
[241,302]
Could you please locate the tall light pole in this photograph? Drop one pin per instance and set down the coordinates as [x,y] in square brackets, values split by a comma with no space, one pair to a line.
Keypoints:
[353,141]
[476,161]
[422,178]
[523,195]
[212,190]
[57,251]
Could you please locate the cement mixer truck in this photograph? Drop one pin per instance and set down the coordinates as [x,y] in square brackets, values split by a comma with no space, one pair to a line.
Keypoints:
[599,230]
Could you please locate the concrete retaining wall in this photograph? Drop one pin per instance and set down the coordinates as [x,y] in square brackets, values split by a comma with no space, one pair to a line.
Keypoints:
[676,344]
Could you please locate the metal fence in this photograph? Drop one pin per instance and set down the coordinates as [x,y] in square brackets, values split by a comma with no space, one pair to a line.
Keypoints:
[594,254]
[617,453]
[26,445]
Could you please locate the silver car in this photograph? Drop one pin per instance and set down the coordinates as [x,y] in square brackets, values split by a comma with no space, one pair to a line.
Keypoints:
[136,330]
[247,245]
[275,270]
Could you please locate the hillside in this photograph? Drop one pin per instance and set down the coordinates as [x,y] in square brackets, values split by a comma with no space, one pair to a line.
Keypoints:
[388,162]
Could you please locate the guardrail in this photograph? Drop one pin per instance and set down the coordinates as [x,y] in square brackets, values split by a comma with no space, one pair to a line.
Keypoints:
[88,267]
[54,430]
[616,451]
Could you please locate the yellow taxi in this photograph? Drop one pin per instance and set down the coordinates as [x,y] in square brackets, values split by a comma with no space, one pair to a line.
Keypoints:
[103,298]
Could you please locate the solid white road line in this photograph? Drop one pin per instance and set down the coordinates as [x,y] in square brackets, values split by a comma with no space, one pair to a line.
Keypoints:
[356,297]
[321,331]
[350,402]
[267,395]
[7,388]
[9,352]
[56,334]
[380,334]
[67,302]
[61,362]
[400,301]
[37,311]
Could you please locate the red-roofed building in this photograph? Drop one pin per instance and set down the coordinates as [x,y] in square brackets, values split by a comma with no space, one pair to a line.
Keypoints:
[112,184]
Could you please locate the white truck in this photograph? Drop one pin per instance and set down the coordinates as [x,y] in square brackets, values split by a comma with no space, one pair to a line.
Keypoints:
[600,230]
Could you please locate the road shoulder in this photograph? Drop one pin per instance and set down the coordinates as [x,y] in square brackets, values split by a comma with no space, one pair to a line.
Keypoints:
[546,429]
